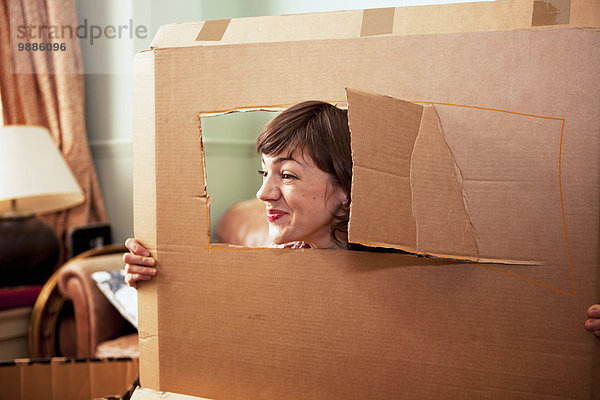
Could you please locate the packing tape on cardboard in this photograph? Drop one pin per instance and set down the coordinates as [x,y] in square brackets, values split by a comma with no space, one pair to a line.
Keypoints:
[213,31]
[378,21]
[551,12]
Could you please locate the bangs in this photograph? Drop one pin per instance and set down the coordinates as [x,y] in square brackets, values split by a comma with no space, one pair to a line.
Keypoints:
[291,130]
[276,143]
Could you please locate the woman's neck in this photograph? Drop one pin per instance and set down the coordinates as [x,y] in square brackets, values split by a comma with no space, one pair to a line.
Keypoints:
[328,242]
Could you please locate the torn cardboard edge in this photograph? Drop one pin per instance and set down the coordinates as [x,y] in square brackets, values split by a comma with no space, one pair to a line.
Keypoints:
[343,104]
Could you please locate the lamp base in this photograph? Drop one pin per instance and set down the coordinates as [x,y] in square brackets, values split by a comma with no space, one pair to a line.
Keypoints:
[29,251]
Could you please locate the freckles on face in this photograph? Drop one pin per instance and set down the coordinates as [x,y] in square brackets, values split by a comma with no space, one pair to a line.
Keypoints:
[300,200]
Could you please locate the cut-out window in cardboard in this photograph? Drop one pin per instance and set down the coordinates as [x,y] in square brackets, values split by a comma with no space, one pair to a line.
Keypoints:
[433,189]
[231,162]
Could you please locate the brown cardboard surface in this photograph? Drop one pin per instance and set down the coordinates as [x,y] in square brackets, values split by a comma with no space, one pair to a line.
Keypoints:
[440,211]
[8,378]
[64,379]
[518,112]
[401,158]
[376,162]
[145,199]
[149,394]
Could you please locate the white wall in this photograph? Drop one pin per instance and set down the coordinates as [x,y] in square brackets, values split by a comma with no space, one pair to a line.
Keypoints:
[296,6]
[108,79]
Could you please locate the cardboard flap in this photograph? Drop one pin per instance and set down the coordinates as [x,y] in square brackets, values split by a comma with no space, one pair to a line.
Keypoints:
[402,160]
[486,191]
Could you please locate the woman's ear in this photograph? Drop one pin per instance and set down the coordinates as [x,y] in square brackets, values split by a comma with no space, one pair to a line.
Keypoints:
[342,197]
[346,203]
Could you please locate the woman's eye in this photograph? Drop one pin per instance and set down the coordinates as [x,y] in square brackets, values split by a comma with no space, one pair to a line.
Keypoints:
[288,177]
[262,173]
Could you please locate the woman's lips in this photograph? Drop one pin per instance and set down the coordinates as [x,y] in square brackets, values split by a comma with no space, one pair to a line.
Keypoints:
[273,214]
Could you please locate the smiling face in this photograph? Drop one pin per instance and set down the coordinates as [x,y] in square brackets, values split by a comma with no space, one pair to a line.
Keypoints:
[300,200]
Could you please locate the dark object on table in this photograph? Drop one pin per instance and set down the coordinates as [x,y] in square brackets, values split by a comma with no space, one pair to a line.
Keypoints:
[90,236]
[29,251]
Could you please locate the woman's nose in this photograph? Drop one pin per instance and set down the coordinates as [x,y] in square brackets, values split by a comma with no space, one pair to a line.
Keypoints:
[268,191]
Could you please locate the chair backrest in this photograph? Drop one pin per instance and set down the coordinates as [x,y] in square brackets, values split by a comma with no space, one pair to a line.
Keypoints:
[53,324]
[244,224]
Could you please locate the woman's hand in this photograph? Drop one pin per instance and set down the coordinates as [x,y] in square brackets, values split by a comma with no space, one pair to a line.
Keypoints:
[139,266]
[593,324]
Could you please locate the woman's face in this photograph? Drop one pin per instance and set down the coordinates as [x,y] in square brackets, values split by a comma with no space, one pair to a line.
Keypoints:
[300,200]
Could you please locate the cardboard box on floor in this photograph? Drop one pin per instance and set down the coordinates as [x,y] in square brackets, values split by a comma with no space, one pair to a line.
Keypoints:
[62,378]
[494,160]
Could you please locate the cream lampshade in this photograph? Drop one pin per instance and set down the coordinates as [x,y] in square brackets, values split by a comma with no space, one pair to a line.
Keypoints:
[34,179]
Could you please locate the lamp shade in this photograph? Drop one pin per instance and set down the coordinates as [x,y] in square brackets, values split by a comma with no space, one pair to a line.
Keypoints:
[34,177]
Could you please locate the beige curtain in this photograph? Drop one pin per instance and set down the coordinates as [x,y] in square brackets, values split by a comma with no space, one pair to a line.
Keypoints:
[46,88]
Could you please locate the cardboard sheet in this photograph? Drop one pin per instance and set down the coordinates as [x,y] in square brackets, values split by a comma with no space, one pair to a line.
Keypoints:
[519,113]
[66,379]
[425,203]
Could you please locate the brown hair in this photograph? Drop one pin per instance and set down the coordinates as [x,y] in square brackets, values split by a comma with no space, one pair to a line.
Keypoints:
[321,130]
